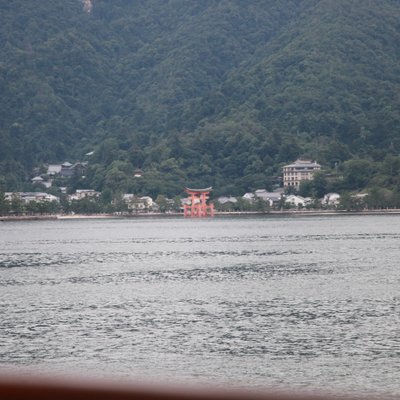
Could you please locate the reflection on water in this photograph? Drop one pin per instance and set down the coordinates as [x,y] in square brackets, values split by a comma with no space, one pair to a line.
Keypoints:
[257,302]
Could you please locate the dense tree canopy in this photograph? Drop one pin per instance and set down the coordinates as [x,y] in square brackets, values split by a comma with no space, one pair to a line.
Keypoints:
[211,92]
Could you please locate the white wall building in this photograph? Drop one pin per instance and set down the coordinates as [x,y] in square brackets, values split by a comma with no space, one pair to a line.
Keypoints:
[27,197]
[83,193]
[331,199]
[297,201]
[137,203]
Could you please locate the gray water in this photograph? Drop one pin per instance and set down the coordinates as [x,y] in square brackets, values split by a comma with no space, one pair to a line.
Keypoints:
[300,303]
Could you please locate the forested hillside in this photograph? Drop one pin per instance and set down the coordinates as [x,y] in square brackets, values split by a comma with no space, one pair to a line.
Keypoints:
[211,92]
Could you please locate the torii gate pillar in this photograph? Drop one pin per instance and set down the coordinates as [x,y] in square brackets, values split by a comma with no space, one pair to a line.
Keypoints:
[198,206]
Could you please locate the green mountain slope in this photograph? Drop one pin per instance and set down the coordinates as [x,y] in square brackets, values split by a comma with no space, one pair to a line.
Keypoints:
[335,73]
[217,92]
[327,88]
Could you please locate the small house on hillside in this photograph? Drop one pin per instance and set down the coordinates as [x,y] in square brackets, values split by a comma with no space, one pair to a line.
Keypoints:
[66,170]
[138,173]
[38,180]
[53,169]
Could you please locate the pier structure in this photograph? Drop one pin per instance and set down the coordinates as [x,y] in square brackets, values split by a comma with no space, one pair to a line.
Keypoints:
[197,206]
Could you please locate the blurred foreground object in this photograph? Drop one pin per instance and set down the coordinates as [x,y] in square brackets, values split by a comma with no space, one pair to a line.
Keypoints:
[12,388]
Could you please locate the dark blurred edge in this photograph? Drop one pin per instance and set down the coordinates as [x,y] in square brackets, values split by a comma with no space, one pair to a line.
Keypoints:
[13,388]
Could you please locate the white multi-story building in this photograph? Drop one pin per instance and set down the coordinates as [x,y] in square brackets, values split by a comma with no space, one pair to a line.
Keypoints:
[300,170]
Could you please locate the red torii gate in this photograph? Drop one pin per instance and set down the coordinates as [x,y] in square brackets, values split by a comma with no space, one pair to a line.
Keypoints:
[198,206]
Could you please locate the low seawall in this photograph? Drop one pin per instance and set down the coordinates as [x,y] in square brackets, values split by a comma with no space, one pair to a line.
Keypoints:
[28,217]
[283,213]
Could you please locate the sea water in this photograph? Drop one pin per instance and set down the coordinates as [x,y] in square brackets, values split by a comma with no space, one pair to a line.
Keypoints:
[260,302]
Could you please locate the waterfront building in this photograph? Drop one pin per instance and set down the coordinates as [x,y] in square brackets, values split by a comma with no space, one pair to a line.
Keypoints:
[83,193]
[297,201]
[27,197]
[269,197]
[331,199]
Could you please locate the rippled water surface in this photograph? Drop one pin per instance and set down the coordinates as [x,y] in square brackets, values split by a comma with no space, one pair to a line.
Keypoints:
[307,302]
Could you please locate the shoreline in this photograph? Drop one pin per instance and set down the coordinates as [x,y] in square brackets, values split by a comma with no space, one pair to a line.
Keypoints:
[285,213]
